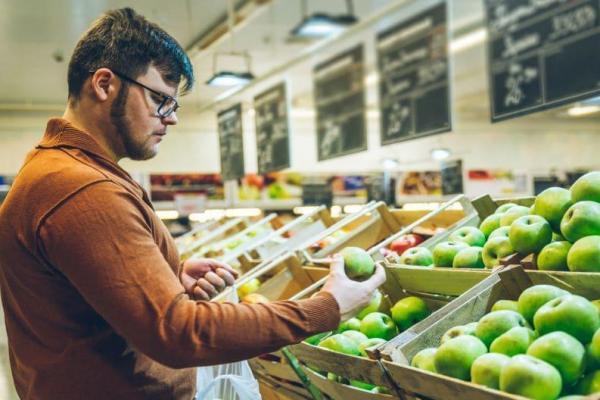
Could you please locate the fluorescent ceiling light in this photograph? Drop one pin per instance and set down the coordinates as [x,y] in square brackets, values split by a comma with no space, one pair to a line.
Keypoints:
[301,210]
[322,25]
[469,40]
[440,154]
[353,208]
[578,111]
[243,212]
[167,214]
[228,78]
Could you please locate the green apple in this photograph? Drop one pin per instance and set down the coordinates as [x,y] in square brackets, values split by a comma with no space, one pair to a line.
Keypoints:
[358,263]
[513,214]
[597,304]
[469,258]
[532,298]
[455,357]
[506,305]
[378,325]
[490,224]
[553,256]
[502,232]
[424,359]
[486,369]
[496,249]
[529,377]
[357,336]
[587,187]
[420,256]
[408,311]
[361,385]
[341,344]
[584,255]
[557,237]
[315,339]
[494,324]
[529,234]
[368,344]
[351,324]
[514,341]
[581,219]
[562,351]
[468,329]
[504,208]
[469,235]
[552,204]
[373,305]
[380,390]
[573,397]
[572,314]
[590,384]
[444,253]
[593,352]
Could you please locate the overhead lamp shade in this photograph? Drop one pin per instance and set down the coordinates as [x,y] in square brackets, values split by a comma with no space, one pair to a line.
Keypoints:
[322,25]
[228,78]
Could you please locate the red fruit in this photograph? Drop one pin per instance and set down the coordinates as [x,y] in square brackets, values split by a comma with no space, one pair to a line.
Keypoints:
[405,242]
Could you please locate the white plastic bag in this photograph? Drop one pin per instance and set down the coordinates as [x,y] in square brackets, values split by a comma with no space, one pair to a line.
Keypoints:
[227,381]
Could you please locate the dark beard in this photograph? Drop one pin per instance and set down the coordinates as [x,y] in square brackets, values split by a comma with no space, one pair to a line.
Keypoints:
[119,121]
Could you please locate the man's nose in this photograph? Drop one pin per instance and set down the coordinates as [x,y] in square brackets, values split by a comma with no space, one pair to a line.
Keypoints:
[171,119]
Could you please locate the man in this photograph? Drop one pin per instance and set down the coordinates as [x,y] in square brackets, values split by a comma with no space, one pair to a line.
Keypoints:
[96,303]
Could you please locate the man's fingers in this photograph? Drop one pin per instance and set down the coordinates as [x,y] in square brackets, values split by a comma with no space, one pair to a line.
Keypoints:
[207,287]
[215,280]
[226,276]
[378,278]
[216,264]
[188,282]
[200,294]
[337,265]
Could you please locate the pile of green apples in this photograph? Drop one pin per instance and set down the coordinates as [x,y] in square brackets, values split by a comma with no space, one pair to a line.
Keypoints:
[544,345]
[562,229]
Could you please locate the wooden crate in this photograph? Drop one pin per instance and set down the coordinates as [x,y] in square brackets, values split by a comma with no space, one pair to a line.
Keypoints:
[224,230]
[504,283]
[338,391]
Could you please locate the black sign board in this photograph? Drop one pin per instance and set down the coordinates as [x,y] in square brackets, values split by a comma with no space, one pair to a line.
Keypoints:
[317,193]
[452,177]
[414,76]
[272,134]
[231,143]
[340,104]
[541,54]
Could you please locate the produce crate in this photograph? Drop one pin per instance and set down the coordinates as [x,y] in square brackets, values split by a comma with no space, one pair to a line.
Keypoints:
[224,230]
[504,283]
[338,391]
[195,234]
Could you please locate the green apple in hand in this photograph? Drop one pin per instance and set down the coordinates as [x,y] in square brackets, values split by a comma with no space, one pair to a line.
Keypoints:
[587,187]
[584,255]
[486,369]
[513,214]
[351,324]
[502,232]
[529,234]
[408,311]
[581,219]
[504,208]
[532,298]
[469,235]
[418,256]
[468,329]
[373,305]
[552,204]
[490,224]
[424,359]
[495,249]
[471,257]
[506,305]
[494,324]
[444,253]
[553,256]
[563,352]
[455,357]
[368,344]
[378,325]
[529,377]
[358,263]
[514,341]
[571,314]
[341,344]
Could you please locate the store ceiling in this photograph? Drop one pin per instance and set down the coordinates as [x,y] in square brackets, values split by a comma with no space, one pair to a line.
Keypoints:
[33,33]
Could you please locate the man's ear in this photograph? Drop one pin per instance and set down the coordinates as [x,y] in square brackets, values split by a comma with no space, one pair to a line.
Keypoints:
[103,84]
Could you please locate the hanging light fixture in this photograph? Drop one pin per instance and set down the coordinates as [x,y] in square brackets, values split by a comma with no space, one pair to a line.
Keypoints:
[320,25]
[231,78]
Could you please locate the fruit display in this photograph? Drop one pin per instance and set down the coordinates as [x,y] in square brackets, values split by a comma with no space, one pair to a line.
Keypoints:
[543,346]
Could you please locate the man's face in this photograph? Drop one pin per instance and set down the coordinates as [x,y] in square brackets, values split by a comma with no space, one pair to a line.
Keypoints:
[134,115]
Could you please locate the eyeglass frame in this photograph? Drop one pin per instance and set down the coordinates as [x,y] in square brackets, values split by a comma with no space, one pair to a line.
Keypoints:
[165,97]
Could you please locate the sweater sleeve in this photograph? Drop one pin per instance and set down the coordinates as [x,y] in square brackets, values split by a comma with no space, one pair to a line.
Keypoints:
[101,240]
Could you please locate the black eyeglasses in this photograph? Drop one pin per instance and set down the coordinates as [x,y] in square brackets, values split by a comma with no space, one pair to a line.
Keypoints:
[168,105]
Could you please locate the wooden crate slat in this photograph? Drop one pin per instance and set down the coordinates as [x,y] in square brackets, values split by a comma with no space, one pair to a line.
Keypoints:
[338,391]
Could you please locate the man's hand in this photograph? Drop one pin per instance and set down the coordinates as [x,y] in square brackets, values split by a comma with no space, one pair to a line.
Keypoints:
[351,296]
[204,278]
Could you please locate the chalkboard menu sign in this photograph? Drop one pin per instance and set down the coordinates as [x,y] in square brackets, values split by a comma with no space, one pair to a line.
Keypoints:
[272,134]
[317,193]
[340,104]
[452,177]
[541,54]
[231,143]
[414,76]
